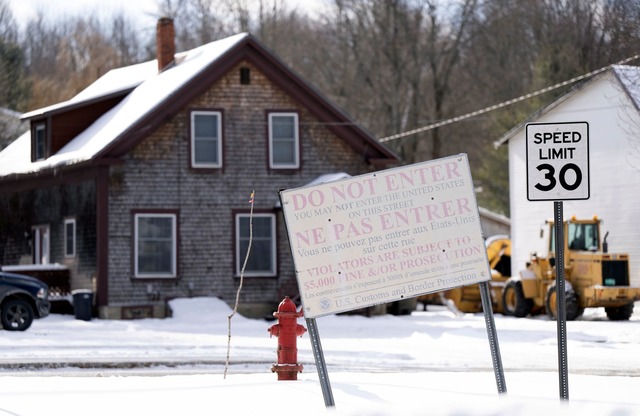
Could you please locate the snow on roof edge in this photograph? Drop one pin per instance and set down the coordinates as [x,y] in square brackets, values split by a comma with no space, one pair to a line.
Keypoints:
[121,79]
[16,158]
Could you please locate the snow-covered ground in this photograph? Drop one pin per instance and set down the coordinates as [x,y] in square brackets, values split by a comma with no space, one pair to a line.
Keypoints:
[431,362]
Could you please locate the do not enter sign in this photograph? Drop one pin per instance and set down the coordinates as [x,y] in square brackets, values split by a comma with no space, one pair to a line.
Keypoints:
[557,161]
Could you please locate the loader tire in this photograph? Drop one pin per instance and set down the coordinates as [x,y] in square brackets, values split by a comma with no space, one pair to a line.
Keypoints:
[620,313]
[571,304]
[513,301]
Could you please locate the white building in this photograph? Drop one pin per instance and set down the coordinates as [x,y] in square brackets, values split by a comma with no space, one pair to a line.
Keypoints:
[610,104]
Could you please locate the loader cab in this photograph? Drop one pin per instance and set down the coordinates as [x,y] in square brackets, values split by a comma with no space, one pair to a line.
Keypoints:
[583,236]
[580,235]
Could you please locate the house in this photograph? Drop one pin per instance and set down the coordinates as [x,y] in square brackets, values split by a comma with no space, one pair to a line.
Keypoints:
[140,185]
[610,104]
[493,223]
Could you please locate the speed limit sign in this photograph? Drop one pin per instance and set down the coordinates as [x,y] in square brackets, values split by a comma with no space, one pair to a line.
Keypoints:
[557,161]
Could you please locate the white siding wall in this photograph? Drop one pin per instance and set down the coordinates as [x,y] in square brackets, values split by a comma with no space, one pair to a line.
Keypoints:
[614,125]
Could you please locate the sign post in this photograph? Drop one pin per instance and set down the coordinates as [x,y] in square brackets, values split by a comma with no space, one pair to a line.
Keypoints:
[496,359]
[387,236]
[321,364]
[557,170]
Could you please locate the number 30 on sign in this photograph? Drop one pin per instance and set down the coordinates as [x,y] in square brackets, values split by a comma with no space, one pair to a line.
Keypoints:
[557,161]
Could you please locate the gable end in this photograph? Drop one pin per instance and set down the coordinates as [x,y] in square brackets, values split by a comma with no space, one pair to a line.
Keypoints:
[250,50]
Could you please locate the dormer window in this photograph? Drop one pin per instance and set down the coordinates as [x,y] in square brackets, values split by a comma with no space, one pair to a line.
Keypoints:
[39,142]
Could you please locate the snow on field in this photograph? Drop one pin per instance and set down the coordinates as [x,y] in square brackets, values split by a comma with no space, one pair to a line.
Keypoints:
[431,362]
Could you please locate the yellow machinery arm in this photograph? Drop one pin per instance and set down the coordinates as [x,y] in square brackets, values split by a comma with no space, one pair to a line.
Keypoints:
[497,246]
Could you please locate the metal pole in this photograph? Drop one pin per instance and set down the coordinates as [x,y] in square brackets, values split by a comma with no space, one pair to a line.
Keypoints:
[321,365]
[493,337]
[316,346]
[561,315]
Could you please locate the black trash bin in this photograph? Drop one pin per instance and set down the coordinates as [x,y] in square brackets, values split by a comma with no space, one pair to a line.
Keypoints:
[82,303]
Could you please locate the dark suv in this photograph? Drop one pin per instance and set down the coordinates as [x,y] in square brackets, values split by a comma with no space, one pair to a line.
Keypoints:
[22,298]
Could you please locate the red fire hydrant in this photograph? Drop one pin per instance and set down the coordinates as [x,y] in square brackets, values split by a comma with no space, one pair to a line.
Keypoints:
[287,329]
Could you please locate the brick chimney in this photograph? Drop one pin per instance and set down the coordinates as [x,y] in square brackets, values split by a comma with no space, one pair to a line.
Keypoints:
[165,42]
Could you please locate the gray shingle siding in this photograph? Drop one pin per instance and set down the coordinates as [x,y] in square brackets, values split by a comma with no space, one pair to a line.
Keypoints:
[157,175]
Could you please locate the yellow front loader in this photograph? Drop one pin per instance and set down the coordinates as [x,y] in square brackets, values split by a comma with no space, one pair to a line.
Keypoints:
[467,298]
[593,277]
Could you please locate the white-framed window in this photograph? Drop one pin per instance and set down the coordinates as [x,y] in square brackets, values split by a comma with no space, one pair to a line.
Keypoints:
[39,142]
[284,144]
[41,237]
[70,237]
[206,139]
[262,258]
[155,245]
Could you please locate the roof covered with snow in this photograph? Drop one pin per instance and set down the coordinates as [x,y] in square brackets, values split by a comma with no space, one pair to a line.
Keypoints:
[150,96]
[151,88]
[114,81]
[629,77]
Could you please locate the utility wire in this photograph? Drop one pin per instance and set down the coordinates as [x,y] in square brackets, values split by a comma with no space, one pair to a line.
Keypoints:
[503,104]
